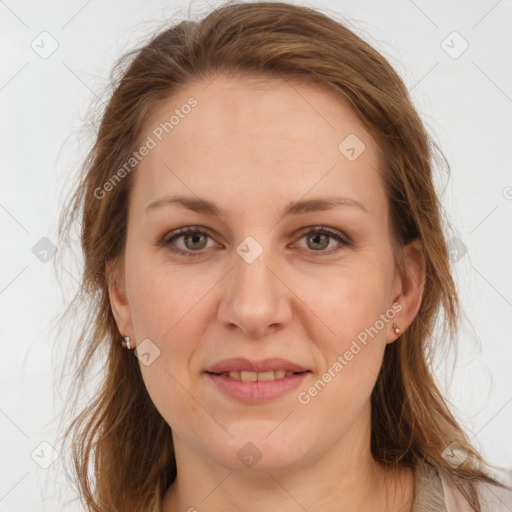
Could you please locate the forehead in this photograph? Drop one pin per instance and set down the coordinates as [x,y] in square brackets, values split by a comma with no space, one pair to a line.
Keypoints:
[283,138]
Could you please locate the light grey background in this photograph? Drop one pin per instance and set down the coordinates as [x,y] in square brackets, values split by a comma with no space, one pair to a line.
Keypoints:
[465,101]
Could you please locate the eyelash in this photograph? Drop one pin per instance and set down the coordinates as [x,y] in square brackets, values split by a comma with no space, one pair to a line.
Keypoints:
[174,235]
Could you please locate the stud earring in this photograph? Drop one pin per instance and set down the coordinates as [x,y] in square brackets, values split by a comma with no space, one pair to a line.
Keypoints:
[397,329]
[127,341]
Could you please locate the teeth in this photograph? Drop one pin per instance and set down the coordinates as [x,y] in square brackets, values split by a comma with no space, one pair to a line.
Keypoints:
[248,376]
[266,375]
[258,376]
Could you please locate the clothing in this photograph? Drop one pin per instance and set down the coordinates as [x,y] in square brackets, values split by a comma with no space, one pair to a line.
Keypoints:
[435,492]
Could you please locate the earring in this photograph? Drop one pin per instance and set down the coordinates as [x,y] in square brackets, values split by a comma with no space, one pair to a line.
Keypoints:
[397,329]
[127,341]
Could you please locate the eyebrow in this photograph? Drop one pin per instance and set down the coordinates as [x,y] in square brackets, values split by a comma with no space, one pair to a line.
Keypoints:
[196,204]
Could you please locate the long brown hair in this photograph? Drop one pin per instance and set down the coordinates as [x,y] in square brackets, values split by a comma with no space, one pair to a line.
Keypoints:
[119,437]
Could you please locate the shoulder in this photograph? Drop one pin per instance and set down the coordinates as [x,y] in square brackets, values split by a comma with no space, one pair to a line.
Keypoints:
[428,490]
[435,491]
[491,497]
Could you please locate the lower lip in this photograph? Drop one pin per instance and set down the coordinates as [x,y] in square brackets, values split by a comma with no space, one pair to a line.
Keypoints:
[258,391]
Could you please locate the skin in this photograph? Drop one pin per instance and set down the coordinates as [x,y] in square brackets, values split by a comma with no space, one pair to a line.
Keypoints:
[252,147]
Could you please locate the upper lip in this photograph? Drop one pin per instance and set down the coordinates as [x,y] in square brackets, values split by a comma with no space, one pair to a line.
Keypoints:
[243,364]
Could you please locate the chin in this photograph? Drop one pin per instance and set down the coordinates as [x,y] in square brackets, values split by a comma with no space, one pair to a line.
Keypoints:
[257,451]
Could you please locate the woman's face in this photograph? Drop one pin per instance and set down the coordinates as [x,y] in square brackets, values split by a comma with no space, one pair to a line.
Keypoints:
[264,276]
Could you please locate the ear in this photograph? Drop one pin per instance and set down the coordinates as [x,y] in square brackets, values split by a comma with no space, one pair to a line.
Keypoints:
[408,288]
[114,271]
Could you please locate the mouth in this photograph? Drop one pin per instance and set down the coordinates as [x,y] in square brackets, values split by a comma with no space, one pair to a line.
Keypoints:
[267,376]
[257,387]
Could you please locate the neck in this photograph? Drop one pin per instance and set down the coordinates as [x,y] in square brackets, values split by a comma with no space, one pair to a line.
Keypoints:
[344,478]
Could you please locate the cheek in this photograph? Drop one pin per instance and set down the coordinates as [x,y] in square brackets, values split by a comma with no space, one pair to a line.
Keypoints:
[355,308]
[352,353]
[162,296]
[349,300]
[163,307]
[170,394]
[167,307]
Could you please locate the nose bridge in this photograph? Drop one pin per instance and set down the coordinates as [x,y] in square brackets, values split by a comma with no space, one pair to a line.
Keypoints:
[255,299]
[252,276]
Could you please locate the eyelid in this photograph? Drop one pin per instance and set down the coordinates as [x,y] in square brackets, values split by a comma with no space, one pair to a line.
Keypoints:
[186,230]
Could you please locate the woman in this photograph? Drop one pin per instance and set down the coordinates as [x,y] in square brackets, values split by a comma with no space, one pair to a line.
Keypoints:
[261,230]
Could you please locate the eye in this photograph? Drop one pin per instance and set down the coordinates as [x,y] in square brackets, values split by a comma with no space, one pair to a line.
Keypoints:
[194,240]
[319,238]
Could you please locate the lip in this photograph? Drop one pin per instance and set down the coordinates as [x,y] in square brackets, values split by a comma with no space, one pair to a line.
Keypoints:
[243,364]
[258,391]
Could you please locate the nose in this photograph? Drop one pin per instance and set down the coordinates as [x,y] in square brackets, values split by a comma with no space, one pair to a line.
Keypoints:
[255,300]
